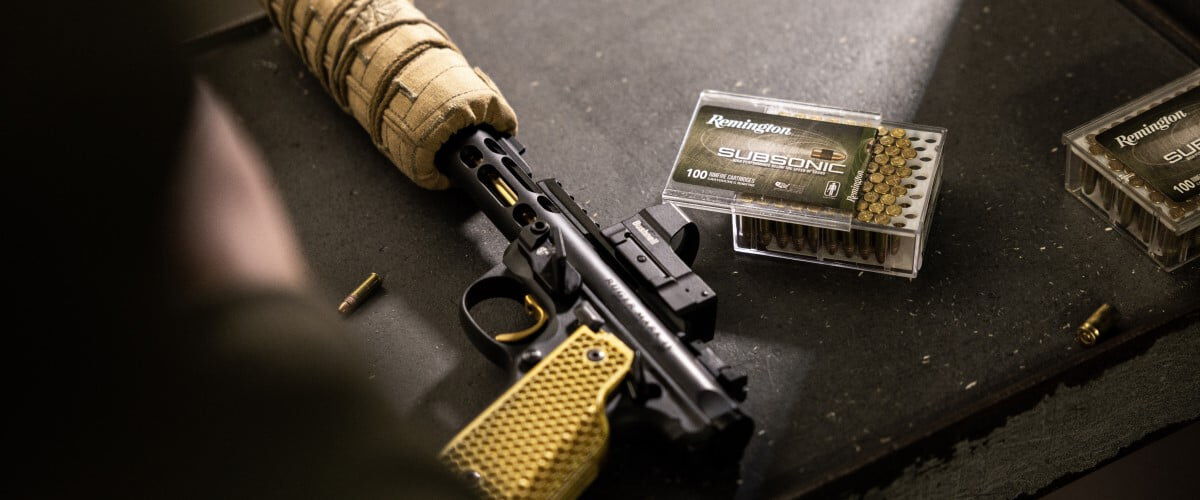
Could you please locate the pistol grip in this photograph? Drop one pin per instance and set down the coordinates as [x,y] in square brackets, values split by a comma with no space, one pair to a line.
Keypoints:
[545,437]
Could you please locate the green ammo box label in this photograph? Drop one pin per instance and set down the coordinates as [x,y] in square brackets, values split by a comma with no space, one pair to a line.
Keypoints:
[807,161]
[1162,145]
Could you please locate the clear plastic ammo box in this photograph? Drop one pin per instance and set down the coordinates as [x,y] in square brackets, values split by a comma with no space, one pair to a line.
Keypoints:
[1139,168]
[811,183]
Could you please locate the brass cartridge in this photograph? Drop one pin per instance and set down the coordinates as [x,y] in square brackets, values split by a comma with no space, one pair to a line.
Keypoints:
[1098,324]
[360,294]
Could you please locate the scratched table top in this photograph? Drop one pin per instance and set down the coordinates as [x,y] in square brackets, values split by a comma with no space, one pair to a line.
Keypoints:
[840,362]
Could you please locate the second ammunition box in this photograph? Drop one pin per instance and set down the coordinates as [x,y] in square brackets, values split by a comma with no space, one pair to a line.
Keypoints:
[1139,168]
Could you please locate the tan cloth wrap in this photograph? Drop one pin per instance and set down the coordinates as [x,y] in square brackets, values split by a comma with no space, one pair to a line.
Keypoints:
[396,72]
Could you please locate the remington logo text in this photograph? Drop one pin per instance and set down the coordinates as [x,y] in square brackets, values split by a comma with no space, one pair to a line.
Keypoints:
[1162,124]
[719,121]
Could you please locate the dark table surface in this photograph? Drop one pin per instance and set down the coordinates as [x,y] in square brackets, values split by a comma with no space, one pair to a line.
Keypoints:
[604,91]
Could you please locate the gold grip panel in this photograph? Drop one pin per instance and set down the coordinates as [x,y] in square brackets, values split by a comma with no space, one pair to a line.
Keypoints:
[545,436]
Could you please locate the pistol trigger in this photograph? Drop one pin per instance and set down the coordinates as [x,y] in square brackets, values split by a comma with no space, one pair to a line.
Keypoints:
[534,310]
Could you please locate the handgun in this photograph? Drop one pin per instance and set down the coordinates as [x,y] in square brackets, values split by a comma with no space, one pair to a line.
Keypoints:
[620,322]
[619,319]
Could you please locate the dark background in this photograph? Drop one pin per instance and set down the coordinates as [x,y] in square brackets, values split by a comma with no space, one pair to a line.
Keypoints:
[604,91]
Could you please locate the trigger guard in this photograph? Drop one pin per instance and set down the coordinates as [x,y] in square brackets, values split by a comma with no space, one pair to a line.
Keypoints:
[497,283]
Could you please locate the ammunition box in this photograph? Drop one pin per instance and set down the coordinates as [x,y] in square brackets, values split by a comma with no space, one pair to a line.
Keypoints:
[1138,167]
[855,205]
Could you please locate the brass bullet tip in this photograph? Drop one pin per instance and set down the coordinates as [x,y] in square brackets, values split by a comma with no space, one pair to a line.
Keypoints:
[360,293]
